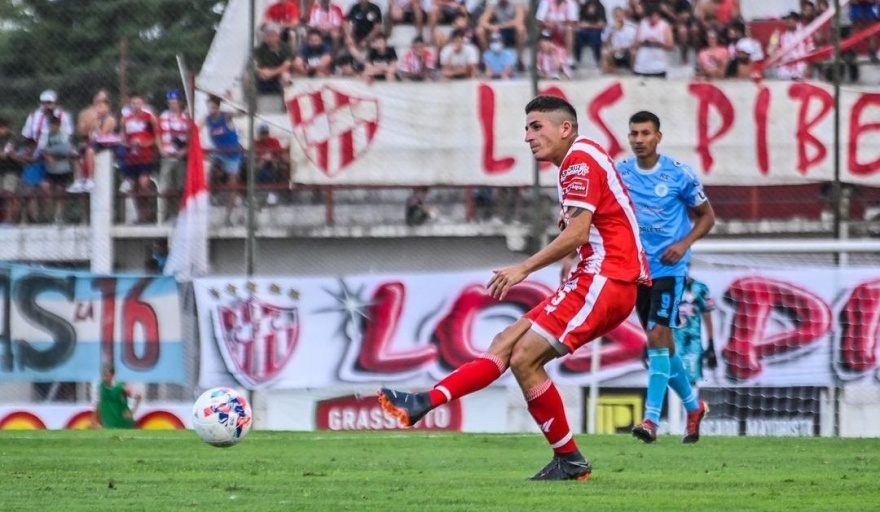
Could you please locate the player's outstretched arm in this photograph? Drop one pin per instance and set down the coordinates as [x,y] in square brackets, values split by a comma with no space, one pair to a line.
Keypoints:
[704,220]
[577,233]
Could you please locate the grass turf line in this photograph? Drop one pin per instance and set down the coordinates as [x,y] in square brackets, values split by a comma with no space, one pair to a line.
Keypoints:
[169,471]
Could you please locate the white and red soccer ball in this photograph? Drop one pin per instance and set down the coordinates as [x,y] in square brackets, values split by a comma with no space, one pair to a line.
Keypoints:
[222,417]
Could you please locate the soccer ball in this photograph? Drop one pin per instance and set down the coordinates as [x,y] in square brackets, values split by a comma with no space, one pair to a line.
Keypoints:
[221,417]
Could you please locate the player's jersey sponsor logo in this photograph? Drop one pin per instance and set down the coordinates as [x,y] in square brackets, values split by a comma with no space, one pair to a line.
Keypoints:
[661,190]
[256,334]
[332,127]
[575,170]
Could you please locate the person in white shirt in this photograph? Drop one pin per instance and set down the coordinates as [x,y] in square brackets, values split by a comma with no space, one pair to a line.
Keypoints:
[618,40]
[653,40]
[36,126]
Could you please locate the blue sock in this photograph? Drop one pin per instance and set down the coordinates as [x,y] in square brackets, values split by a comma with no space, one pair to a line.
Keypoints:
[658,378]
[678,381]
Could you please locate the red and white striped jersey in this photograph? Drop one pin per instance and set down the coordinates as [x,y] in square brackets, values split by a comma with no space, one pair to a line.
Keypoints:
[589,180]
[328,19]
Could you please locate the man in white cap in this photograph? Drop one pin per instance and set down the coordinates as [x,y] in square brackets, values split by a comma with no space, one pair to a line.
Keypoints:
[36,126]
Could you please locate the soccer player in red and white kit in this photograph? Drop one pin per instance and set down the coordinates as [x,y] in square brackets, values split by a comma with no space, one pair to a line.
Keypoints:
[597,221]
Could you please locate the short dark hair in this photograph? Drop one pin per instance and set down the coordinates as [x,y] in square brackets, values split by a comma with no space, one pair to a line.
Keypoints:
[643,116]
[215,99]
[546,103]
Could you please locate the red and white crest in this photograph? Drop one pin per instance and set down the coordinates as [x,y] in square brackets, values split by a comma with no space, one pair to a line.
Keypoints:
[256,338]
[333,128]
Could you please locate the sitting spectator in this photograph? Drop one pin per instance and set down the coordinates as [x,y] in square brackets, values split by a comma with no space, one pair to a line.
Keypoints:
[285,15]
[458,60]
[417,213]
[328,17]
[680,14]
[590,26]
[619,39]
[273,164]
[59,158]
[174,128]
[653,40]
[712,60]
[364,22]
[444,12]
[559,18]
[747,55]
[346,66]
[419,62]
[462,24]
[406,11]
[508,18]
[272,62]
[499,61]
[785,39]
[381,62]
[315,58]
[552,59]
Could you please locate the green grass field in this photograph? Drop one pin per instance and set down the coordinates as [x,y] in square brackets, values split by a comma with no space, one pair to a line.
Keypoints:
[91,471]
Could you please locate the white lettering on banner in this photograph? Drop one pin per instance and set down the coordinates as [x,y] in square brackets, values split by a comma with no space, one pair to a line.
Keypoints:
[731,133]
[775,328]
[365,413]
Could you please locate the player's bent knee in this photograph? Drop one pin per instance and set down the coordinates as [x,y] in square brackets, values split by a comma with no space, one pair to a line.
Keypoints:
[530,354]
[504,342]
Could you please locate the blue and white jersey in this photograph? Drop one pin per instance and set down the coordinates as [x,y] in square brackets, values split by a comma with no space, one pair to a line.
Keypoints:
[661,197]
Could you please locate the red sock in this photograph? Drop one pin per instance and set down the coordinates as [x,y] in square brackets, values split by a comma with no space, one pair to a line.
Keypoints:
[545,405]
[469,377]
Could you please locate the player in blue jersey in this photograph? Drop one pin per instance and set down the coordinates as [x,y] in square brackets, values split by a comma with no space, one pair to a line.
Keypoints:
[667,195]
[696,308]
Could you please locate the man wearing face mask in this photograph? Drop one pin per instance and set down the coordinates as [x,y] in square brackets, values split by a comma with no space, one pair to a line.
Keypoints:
[506,19]
[498,60]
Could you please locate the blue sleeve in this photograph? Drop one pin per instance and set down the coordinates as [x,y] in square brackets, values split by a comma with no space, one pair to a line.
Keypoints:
[692,192]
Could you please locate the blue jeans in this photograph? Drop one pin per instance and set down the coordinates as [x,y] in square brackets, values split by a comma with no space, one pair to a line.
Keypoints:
[591,37]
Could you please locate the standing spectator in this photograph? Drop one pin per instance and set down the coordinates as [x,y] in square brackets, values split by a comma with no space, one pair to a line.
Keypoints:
[552,59]
[712,60]
[272,61]
[84,123]
[381,61]
[315,58]
[10,171]
[364,23]
[559,17]
[507,18]
[653,40]
[784,39]
[499,62]
[140,134]
[37,123]
[590,26]
[619,40]
[419,62]
[458,60]
[273,163]
[112,408]
[59,159]
[863,14]
[285,15]
[174,126]
[444,12]
[100,134]
[328,17]
[406,11]
[226,156]
[684,26]
[31,188]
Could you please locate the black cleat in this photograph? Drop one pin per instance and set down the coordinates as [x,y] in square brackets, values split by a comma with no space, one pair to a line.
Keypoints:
[646,431]
[409,408]
[559,468]
[694,419]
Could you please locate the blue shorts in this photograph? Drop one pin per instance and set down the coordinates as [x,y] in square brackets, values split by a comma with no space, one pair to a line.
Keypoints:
[658,304]
[231,164]
[864,12]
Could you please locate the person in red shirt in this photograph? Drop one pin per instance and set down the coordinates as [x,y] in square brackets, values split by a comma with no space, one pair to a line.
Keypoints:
[141,137]
[598,221]
[273,163]
[286,16]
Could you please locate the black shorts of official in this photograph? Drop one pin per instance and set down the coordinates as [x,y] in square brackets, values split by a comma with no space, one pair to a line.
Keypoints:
[658,304]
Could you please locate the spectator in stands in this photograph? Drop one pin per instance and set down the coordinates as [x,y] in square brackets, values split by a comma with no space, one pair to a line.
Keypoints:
[31,188]
[406,11]
[552,59]
[315,58]
[227,153]
[559,17]
[785,39]
[507,18]
[499,62]
[444,12]
[381,63]
[619,40]
[59,159]
[272,62]
[10,172]
[364,23]
[140,134]
[590,26]
[273,164]
[285,15]
[417,212]
[461,24]
[747,55]
[99,129]
[713,58]
[174,126]
[863,14]
[716,14]
[653,40]
[634,10]
[346,66]
[680,14]
[84,123]
[329,18]
[37,123]
[458,60]
[419,62]
[112,409]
